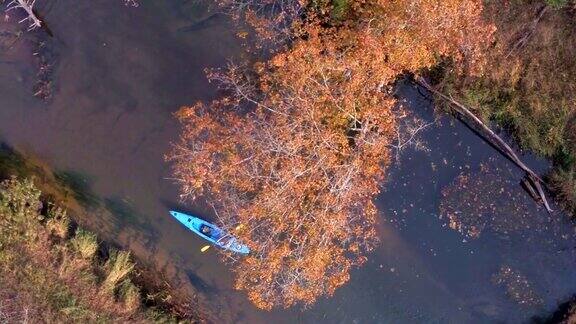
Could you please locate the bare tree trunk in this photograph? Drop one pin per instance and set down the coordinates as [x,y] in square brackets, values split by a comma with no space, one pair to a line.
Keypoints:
[492,137]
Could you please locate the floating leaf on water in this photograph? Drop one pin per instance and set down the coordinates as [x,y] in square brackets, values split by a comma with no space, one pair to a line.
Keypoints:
[487,199]
[517,286]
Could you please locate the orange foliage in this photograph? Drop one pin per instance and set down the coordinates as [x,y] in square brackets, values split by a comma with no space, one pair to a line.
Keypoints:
[297,150]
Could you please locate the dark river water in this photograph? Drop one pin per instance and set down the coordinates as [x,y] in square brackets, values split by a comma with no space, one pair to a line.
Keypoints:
[121,72]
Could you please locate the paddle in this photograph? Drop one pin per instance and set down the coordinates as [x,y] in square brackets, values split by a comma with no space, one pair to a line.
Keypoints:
[206,247]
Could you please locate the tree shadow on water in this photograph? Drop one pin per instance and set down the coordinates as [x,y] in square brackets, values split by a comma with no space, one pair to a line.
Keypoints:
[80,186]
[11,162]
[125,215]
[200,284]
[203,211]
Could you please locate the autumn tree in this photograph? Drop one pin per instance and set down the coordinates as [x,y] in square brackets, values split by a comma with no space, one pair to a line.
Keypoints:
[293,154]
[273,21]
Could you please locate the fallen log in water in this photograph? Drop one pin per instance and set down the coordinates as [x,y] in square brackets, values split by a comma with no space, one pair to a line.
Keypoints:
[529,187]
[493,138]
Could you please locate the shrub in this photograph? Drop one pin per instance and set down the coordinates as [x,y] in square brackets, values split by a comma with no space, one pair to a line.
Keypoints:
[118,267]
[557,3]
[21,198]
[58,222]
[84,243]
[19,210]
[564,183]
[130,295]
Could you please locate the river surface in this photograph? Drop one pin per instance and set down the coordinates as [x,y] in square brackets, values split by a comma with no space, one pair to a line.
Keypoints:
[122,71]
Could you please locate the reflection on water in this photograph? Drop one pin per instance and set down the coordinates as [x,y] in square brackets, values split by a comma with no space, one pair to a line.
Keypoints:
[122,71]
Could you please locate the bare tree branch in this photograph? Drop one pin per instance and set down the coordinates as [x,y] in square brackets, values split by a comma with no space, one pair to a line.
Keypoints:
[28,7]
[408,131]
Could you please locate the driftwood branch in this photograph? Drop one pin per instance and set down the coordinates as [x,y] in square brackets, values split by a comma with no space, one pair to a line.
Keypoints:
[496,140]
[28,7]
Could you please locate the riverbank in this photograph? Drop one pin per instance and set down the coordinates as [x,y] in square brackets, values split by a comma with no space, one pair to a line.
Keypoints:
[529,91]
[53,270]
[529,88]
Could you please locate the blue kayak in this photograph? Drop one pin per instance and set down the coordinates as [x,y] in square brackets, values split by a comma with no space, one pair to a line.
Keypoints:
[211,233]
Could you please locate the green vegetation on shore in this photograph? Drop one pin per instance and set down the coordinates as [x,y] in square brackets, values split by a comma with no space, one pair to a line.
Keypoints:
[529,89]
[51,270]
[58,274]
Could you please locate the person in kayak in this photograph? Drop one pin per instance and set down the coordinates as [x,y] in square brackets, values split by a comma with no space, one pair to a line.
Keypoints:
[206,230]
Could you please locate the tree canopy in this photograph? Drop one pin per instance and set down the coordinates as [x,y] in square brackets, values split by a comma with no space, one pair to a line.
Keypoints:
[294,152]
